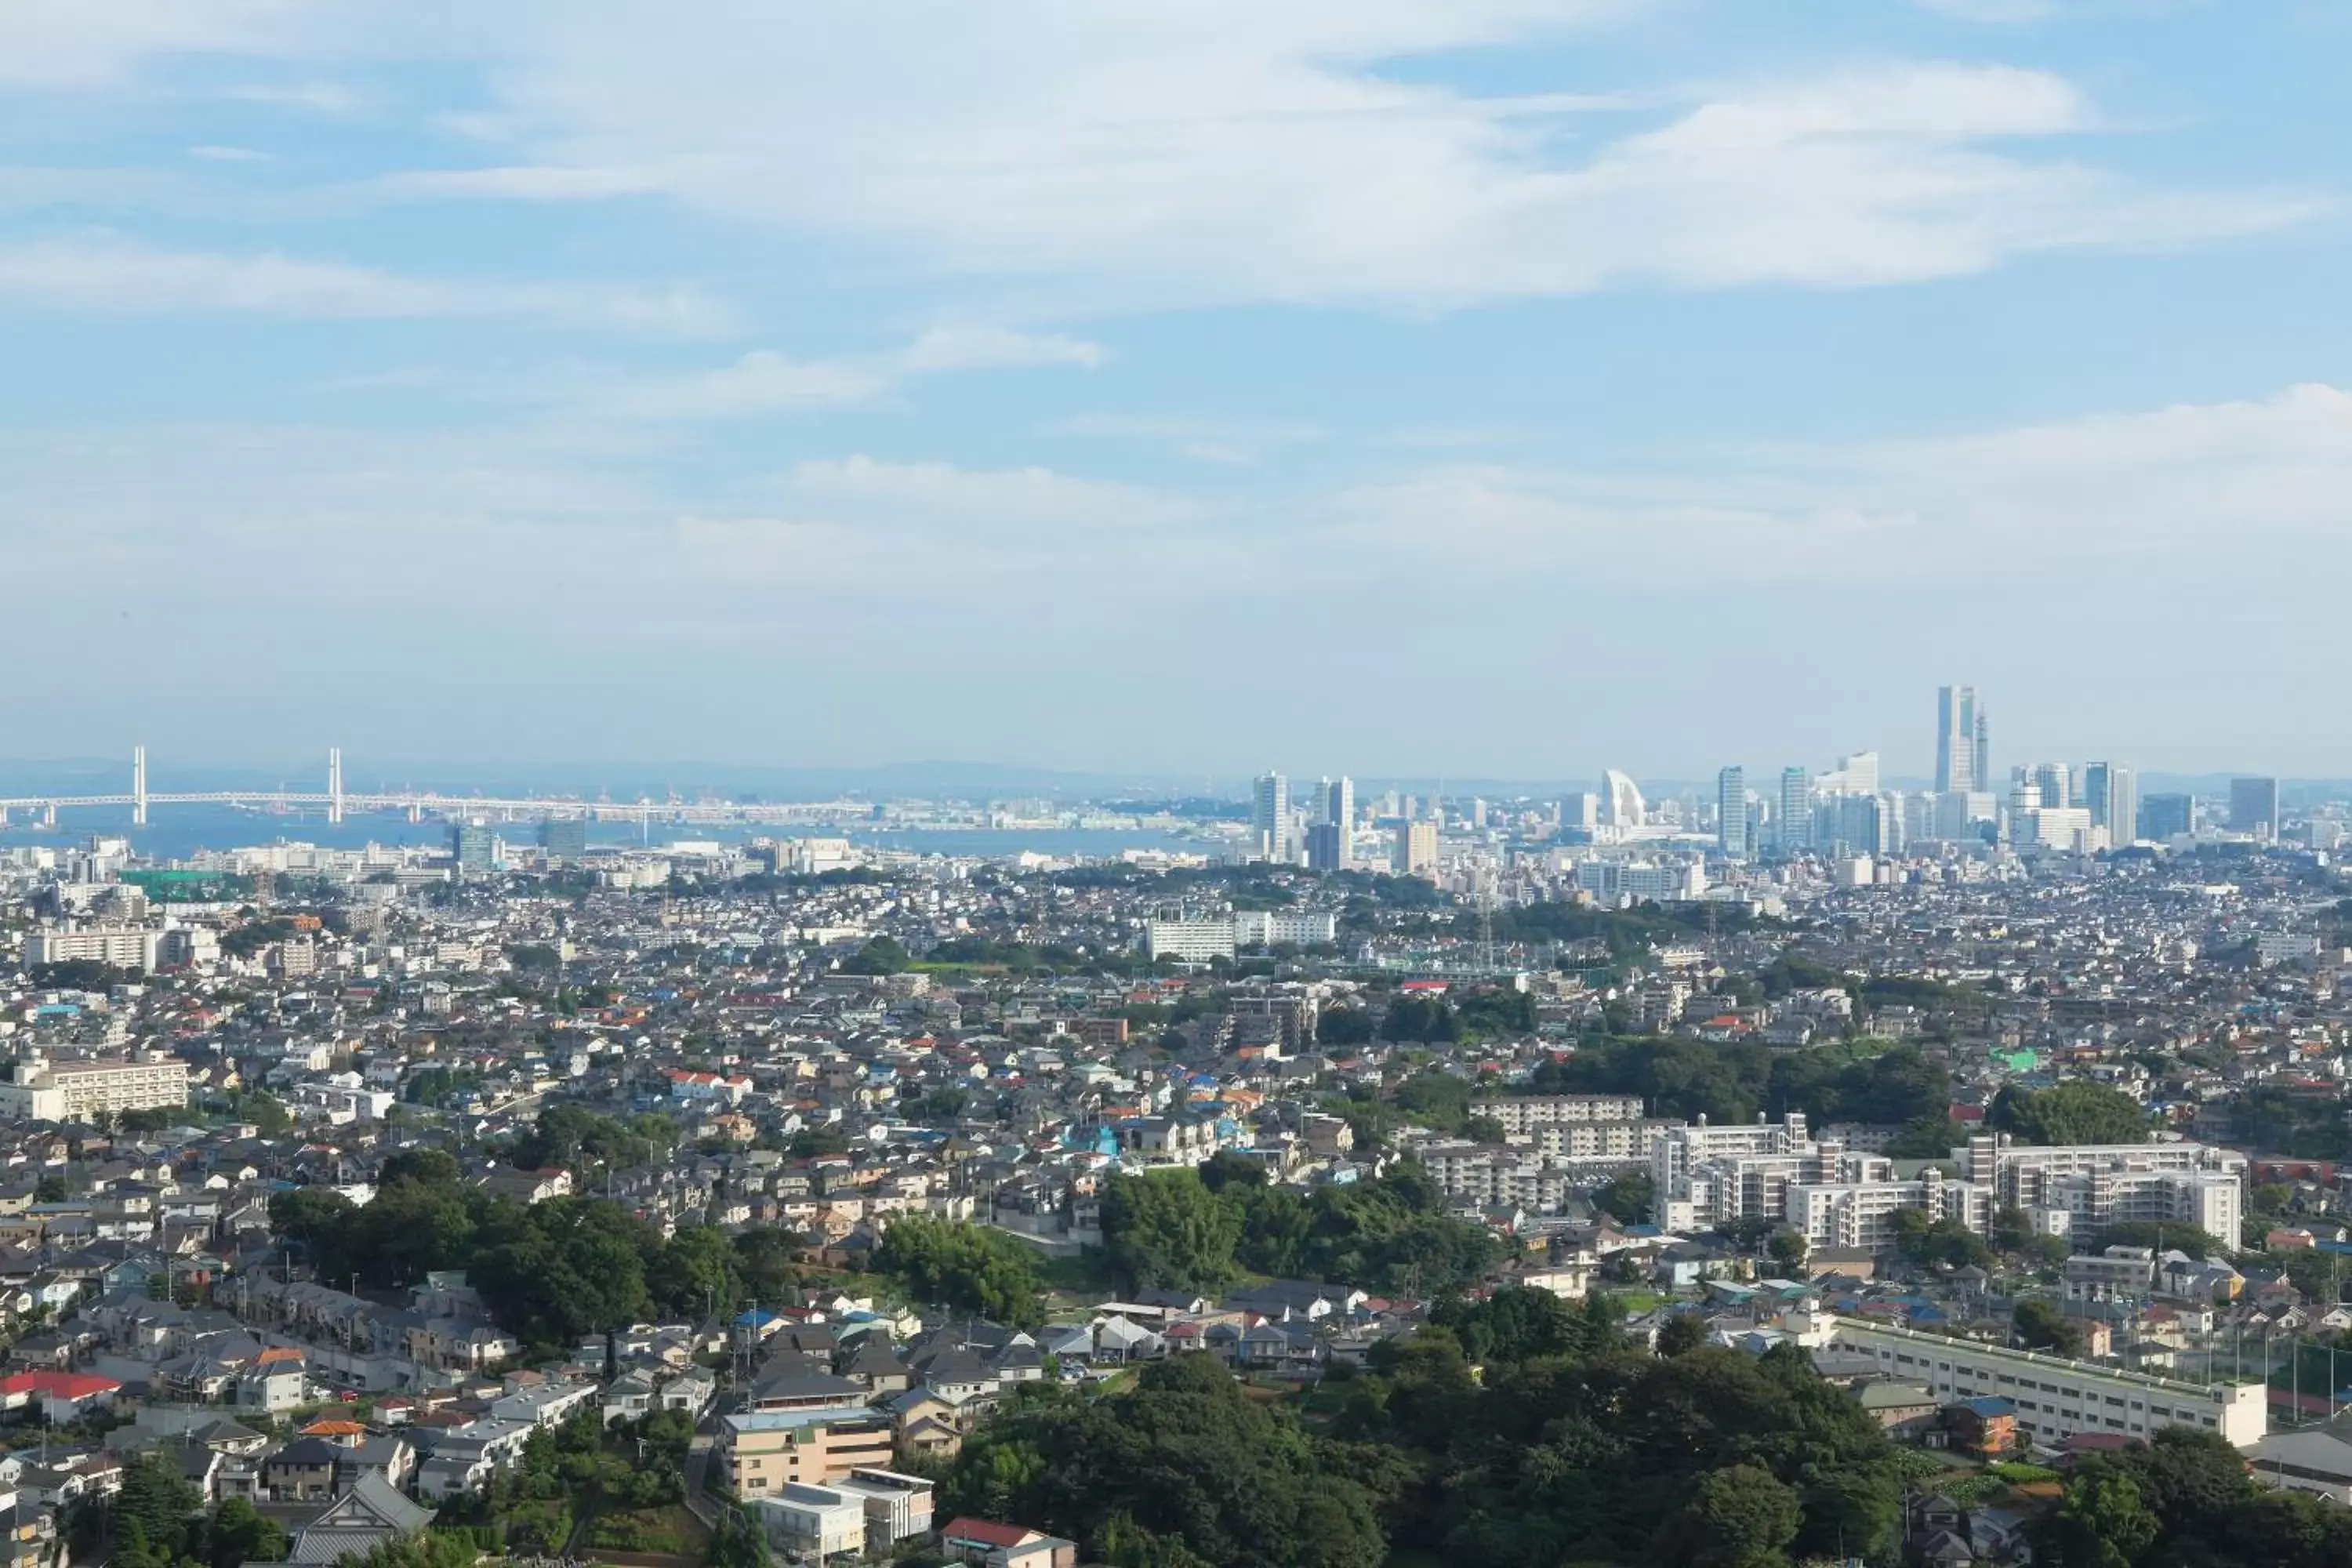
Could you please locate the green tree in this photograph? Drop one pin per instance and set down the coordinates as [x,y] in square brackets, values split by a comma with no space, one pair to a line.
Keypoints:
[1627,1198]
[1167,1229]
[1740,1517]
[1788,1249]
[2104,1522]
[2042,1327]
[1682,1333]
[242,1533]
[963,1267]
[767,1263]
[2070,1112]
[1185,1459]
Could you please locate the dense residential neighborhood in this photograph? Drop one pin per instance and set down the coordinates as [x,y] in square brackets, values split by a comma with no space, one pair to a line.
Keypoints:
[693,1202]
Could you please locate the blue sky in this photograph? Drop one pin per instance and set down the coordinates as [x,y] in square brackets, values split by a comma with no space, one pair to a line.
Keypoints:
[1499,387]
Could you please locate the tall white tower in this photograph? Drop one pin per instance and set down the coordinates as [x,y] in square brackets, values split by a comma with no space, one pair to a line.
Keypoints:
[139,785]
[334,783]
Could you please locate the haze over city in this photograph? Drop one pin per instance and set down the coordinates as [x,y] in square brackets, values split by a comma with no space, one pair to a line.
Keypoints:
[1506,389]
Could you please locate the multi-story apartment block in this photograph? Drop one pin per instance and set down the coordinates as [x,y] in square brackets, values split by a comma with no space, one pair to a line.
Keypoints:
[762,1451]
[1525,1113]
[2084,1187]
[119,947]
[78,1090]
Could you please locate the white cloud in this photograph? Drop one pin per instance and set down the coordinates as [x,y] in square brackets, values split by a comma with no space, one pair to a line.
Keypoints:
[2145,500]
[82,43]
[1996,12]
[1153,153]
[1204,440]
[766,382]
[114,275]
[976,347]
[938,496]
[1150,152]
[763,381]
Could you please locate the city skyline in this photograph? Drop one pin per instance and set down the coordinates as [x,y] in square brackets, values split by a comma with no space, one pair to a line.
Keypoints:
[492,377]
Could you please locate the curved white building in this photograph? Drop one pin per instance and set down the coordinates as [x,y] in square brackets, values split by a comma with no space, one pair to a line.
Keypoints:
[1621,801]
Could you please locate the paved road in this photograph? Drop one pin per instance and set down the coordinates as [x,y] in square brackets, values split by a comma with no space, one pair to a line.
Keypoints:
[699,1501]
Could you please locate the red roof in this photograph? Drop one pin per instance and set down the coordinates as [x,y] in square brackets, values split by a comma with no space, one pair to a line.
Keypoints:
[987,1531]
[59,1385]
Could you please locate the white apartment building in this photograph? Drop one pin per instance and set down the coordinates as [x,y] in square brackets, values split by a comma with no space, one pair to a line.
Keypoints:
[1188,941]
[1706,1176]
[2084,1187]
[813,1522]
[2055,1399]
[1684,1149]
[1305,928]
[1197,940]
[1861,1214]
[1618,1141]
[1524,1114]
[121,947]
[1498,1178]
[78,1090]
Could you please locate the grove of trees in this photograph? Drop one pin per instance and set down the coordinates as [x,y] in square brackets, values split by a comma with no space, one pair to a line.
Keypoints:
[1201,1230]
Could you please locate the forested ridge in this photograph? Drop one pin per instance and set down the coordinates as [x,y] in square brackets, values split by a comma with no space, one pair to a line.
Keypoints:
[1529,1432]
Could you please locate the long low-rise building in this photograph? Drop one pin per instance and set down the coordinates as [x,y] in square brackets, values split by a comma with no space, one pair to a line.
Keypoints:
[2055,1399]
[1524,1114]
[78,1090]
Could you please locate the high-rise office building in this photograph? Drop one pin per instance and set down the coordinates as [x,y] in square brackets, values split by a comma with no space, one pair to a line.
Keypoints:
[2054,782]
[1795,812]
[2254,807]
[2163,818]
[1271,817]
[474,846]
[1956,738]
[1340,801]
[1856,775]
[2123,806]
[2097,783]
[564,838]
[1731,812]
[1335,799]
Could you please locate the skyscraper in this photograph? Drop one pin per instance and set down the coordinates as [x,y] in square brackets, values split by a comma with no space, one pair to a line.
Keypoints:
[1731,812]
[2163,818]
[2097,786]
[1335,850]
[2254,807]
[1416,849]
[1956,738]
[474,846]
[1981,754]
[1340,801]
[1795,814]
[1858,774]
[2123,806]
[565,838]
[2054,782]
[1272,817]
